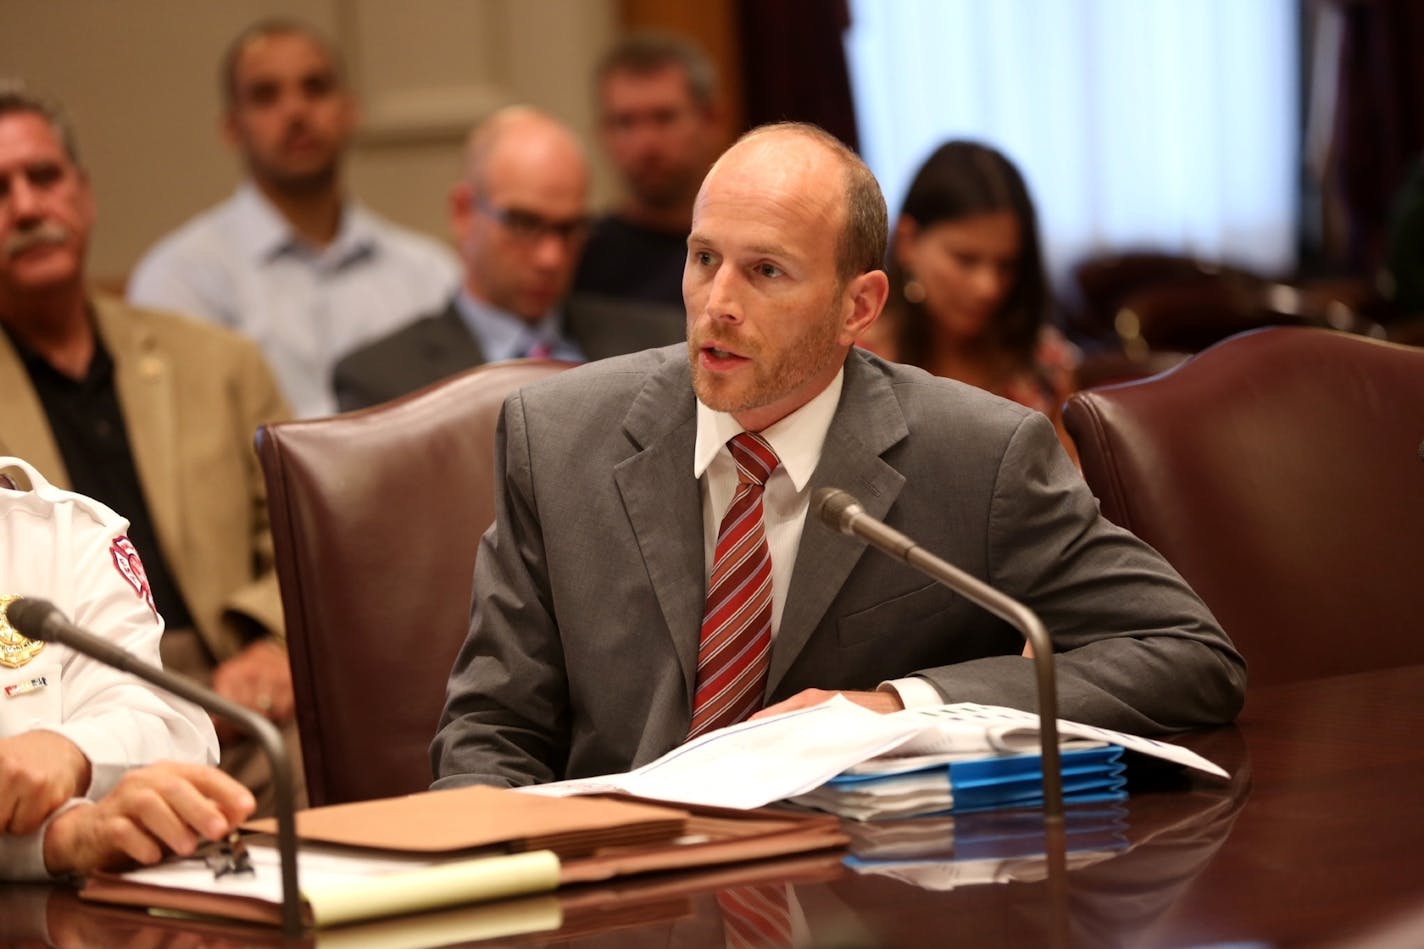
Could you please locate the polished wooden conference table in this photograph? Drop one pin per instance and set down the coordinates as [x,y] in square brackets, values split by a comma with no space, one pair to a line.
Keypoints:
[1317,839]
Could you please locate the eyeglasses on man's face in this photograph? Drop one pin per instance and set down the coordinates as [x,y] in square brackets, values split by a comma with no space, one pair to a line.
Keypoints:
[531,226]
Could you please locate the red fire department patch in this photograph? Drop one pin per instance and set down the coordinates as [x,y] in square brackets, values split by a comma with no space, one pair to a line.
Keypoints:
[130,567]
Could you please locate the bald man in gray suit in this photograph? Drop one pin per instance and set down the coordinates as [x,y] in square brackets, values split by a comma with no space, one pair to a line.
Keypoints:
[583,652]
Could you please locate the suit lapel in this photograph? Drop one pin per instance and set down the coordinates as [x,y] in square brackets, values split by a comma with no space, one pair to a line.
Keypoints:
[664,504]
[25,431]
[867,422]
[604,327]
[146,383]
[450,347]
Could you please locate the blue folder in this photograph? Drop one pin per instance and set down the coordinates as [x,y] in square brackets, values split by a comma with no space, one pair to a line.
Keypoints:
[1089,775]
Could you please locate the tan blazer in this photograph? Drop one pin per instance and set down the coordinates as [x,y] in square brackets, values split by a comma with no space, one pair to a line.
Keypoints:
[192,395]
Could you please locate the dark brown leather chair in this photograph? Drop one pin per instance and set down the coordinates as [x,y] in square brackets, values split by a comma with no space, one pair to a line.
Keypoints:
[1280,471]
[376,517]
[1103,283]
[1189,317]
[1113,366]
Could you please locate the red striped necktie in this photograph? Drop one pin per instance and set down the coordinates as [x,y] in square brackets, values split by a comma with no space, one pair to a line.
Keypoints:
[735,647]
[755,917]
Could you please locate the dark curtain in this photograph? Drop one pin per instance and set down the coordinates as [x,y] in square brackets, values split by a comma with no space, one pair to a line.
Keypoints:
[1379,120]
[794,65]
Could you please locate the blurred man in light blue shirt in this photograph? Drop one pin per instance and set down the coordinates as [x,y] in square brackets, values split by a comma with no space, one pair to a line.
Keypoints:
[291,259]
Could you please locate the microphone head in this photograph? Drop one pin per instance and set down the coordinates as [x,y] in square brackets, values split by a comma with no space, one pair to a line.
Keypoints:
[29,616]
[836,508]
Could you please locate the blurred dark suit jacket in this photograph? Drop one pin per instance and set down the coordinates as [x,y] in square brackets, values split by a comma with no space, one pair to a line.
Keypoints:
[440,345]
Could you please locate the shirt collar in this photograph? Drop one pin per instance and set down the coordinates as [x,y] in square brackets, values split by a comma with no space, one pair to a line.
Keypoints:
[797,439]
[263,234]
[99,373]
[501,334]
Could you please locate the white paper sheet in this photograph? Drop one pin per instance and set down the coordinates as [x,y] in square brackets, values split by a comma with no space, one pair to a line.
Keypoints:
[1010,729]
[754,763]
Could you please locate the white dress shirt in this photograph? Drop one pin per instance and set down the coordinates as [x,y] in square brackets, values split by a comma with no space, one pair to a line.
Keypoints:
[241,265]
[797,440]
[69,549]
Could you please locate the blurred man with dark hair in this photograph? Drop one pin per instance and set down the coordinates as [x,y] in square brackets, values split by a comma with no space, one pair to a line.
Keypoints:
[291,259]
[659,124]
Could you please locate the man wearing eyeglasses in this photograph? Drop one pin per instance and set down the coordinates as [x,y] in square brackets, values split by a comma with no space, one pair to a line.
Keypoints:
[519,215]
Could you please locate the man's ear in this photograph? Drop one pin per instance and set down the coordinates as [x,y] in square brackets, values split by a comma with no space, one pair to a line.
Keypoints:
[350,115]
[714,116]
[89,206]
[865,298]
[228,126]
[462,208]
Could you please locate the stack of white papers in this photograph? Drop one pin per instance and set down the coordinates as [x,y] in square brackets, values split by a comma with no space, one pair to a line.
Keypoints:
[756,762]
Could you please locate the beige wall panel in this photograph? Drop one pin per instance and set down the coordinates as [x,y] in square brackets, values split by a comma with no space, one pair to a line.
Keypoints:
[139,79]
[425,71]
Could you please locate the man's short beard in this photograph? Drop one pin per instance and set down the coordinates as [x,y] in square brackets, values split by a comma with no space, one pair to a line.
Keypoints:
[788,374]
[299,185]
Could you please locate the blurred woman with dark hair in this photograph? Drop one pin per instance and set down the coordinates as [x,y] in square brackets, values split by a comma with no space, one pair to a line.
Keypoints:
[968,295]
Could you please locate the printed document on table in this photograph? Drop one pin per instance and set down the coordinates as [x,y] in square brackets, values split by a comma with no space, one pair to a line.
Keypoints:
[756,762]
[1013,730]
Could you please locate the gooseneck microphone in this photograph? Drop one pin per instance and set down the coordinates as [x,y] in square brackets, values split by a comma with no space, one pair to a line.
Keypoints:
[841,512]
[41,620]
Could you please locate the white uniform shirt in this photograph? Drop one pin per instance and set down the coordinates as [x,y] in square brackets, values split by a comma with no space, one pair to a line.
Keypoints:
[73,551]
[241,265]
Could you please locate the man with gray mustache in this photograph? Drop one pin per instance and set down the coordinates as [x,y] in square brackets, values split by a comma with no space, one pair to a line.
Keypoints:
[40,235]
[151,414]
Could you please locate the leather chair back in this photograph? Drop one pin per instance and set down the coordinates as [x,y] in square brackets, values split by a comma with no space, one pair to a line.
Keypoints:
[1189,317]
[1104,282]
[1280,472]
[376,517]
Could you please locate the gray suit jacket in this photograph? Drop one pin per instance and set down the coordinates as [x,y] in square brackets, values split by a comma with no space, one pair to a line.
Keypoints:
[589,587]
[440,345]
